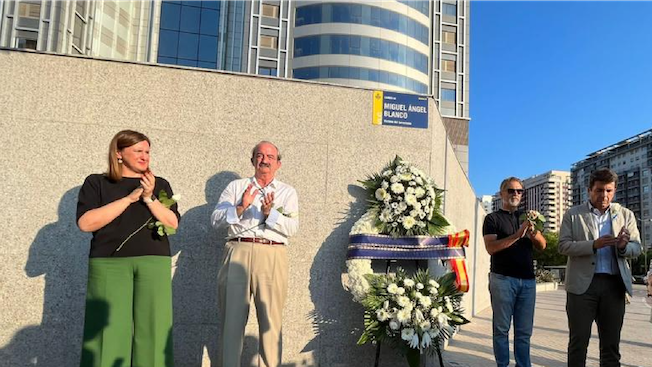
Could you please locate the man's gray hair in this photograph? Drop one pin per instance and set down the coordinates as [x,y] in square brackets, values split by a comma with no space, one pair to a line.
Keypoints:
[503,185]
[255,150]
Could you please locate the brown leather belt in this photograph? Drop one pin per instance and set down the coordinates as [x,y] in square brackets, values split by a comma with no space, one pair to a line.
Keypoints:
[262,241]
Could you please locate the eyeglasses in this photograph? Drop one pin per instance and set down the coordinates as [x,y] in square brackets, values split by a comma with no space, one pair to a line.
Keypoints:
[515,191]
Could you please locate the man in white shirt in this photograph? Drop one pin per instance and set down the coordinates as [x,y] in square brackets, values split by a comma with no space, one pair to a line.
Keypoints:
[261,213]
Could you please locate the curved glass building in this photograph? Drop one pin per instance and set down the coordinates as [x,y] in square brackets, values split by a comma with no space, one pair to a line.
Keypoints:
[378,45]
[410,46]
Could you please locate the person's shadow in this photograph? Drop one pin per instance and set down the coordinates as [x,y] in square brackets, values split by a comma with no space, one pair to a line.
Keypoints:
[59,253]
[194,285]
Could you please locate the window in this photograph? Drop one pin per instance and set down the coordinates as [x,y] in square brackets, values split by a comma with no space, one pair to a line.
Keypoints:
[448,65]
[270,11]
[26,43]
[269,42]
[449,37]
[448,94]
[449,9]
[29,10]
[266,71]
[77,33]
[80,7]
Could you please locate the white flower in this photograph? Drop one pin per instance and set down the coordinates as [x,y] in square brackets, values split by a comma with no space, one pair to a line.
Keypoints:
[387,173]
[418,295]
[176,197]
[449,306]
[394,325]
[412,183]
[394,179]
[433,283]
[418,316]
[381,194]
[442,319]
[407,333]
[394,205]
[386,305]
[397,188]
[408,222]
[425,340]
[410,199]
[382,315]
[419,286]
[433,333]
[414,213]
[425,325]
[403,301]
[392,288]
[419,192]
[418,180]
[435,312]
[425,302]
[385,215]
[402,206]
[384,185]
[403,316]
[406,176]
[400,291]
[409,283]
[417,206]
[410,190]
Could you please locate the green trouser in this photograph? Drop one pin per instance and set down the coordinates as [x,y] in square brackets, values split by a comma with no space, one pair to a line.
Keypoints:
[128,313]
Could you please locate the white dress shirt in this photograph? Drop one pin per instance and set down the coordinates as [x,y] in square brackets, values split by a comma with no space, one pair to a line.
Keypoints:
[283,219]
[606,257]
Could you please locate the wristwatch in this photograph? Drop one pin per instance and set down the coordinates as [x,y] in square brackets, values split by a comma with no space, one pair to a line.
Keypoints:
[149,200]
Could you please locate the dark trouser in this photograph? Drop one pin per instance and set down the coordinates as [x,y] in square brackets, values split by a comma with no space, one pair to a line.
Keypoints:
[604,303]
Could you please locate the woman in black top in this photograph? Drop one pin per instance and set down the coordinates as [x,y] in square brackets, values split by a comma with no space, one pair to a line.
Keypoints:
[129,299]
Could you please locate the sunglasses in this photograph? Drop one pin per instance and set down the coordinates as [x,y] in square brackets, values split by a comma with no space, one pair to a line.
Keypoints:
[515,191]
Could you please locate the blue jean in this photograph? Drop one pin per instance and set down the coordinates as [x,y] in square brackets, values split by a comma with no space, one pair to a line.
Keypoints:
[512,298]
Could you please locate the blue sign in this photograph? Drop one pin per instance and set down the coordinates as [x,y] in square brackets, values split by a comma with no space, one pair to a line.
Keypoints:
[397,109]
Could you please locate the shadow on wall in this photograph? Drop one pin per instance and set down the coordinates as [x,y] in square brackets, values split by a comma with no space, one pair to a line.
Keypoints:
[59,253]
[194,285]
[330,324]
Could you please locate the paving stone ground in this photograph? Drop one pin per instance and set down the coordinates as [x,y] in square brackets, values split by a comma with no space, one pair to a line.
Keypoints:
[472,346]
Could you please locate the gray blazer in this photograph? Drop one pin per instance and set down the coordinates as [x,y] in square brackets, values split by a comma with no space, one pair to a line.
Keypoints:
[578,231]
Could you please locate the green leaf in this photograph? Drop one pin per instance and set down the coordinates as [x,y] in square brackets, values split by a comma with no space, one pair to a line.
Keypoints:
[160,231]
[170,230]
[162,195]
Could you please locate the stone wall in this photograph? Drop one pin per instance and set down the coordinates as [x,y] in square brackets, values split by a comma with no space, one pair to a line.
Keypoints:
[58,114]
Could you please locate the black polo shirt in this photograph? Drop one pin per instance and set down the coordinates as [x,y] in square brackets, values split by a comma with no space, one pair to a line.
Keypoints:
[516,260]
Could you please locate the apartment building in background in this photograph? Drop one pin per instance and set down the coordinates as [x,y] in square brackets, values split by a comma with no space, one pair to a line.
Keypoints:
[631,159]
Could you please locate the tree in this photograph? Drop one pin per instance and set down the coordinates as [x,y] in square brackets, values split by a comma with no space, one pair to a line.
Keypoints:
[638,264]
[550,256]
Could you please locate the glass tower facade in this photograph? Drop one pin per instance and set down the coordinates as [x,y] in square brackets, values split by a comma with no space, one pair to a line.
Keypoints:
[381,45]
[189,32]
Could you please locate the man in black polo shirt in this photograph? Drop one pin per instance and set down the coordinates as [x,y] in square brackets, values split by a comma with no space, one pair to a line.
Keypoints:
[511,282]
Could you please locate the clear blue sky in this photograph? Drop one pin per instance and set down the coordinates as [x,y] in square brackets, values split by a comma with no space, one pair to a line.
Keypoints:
[554,81]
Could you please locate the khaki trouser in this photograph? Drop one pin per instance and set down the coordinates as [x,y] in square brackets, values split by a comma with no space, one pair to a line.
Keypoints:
[259,271]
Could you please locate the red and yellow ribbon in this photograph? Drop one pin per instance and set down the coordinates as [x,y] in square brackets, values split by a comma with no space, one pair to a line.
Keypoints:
[460,239]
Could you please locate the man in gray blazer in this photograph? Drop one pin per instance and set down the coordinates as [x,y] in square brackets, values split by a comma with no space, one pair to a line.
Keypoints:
[598,237]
